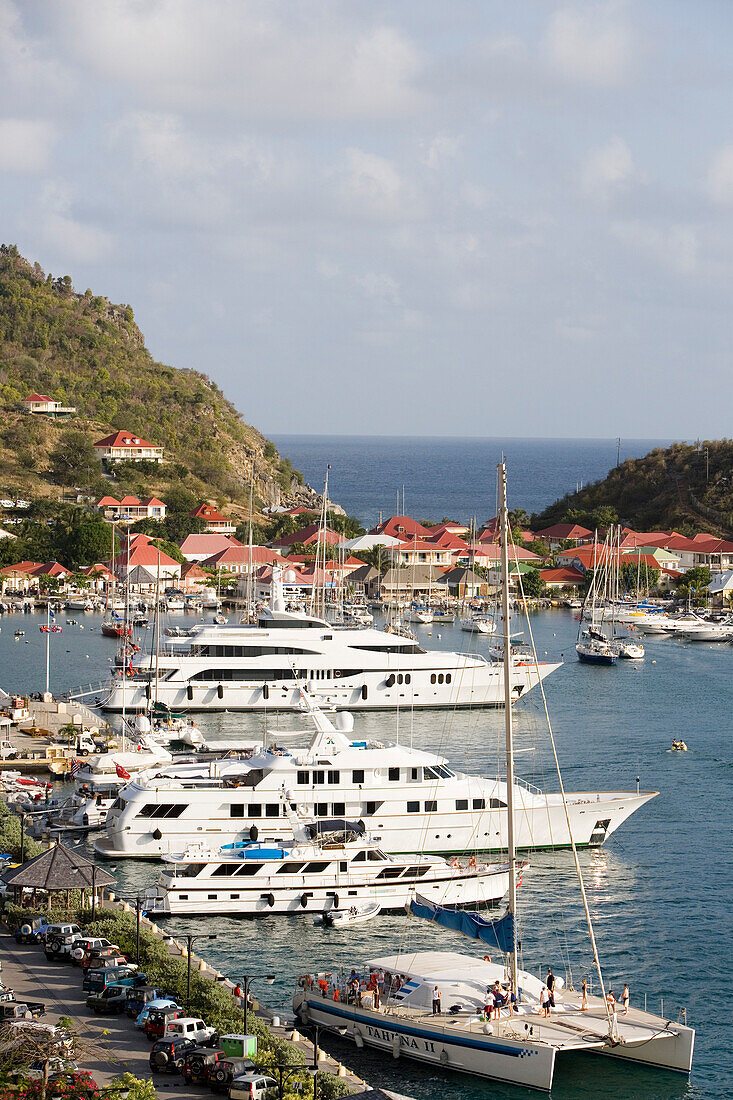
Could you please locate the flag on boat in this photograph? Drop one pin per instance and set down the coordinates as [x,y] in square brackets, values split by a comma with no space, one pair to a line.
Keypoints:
[497,933]
[74,767]
[122,773]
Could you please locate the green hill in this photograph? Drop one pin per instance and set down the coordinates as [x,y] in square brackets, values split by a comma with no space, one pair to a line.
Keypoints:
[87,352]
[685,487]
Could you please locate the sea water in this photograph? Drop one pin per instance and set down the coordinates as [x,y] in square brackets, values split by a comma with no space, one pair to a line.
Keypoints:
[659,890]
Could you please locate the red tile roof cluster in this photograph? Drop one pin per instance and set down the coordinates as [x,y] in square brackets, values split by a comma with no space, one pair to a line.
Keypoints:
[129,502]
[400,527]
[561,576]
[143,551]
[240,555]
[209,513]
[307,535]
[564,531]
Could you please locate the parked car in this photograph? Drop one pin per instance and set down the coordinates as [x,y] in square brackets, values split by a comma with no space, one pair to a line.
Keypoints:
[103,956]
[157,1020]
[59,945]
[139,996]
[226,1070]
[31,931]
[167,1055]
[96,980]
[21,1010]
[152,1006]
[199,1064]
[87,944]
[112,998]
[190,1027]
[253,1086]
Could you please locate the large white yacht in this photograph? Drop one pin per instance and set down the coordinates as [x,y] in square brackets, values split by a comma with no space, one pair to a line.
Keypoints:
[409,800]
[213,668]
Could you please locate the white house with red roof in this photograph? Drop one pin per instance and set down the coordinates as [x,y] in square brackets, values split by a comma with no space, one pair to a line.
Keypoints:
[143,551]
[489,554]
[307,536]
[129,508]
[401,527]
[41,403]
[216,523]
[241,559]
[200,547]
[18,577]
[127,447]
[562,578]
[419,551]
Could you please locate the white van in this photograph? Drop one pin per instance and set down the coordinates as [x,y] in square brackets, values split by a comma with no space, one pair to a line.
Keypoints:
[252,1086]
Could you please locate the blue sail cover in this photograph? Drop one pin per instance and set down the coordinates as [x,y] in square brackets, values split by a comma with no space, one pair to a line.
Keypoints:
[497,933]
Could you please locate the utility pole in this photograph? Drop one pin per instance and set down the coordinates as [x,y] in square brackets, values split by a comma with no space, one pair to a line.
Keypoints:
[618,451]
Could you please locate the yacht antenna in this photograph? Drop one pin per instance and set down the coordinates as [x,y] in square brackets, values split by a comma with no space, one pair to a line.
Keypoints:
[508,720]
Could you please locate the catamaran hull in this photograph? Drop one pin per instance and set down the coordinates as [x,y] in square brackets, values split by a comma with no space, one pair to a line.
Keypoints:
[540,824]
[518,1061]
[480,686]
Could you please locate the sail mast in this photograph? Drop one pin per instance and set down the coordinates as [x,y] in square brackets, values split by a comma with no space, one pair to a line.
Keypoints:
[508,721]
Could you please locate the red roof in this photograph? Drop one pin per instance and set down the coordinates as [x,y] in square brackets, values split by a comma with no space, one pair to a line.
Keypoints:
[206,544]
[38,397]
[152,502]
[210,514]
[240,555]
[98,570]
[400,527]
[143,551]
[50,569]
[492,551]
[191,570]
[123,439]
[21,567]
[306,535]
[128,501]
[447,541]
[565,531]
[561,576]
[107,502]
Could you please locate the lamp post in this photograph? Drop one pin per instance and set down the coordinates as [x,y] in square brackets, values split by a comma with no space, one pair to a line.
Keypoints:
[246,978]
[189,940]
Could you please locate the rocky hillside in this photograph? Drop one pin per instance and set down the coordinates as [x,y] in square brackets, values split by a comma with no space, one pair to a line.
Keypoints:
[87,352]
[685,487]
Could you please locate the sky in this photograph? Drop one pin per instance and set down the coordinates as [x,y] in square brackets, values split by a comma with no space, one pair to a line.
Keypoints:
[431,217]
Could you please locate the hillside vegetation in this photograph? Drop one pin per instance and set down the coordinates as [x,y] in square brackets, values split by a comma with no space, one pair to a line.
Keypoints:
[84,351]
[685,487]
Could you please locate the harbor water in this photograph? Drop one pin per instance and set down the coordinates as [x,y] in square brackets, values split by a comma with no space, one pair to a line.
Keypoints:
[659,890]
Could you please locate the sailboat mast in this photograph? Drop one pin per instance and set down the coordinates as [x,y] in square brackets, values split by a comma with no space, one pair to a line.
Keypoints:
[508,721]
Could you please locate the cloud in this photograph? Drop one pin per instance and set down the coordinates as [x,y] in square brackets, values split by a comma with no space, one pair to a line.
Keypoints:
[61,228]
[606,169]
[442,149]
[380,286]
[590,44]
[719,180]
[674,248]
[25,145]
[370,185]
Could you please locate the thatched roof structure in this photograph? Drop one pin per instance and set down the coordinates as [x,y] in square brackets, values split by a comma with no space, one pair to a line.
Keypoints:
[60,868]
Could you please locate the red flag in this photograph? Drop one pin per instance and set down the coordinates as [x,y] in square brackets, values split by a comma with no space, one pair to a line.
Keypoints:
[121,772]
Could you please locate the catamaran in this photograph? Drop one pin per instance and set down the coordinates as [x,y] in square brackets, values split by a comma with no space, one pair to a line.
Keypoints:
[434,1004]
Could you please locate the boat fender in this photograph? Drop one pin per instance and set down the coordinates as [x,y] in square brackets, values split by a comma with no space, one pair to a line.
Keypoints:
[444,1059]
[390,681]
[303,900]
[220,691]
[396,1046]
[358,1038]
[157,835]
[266,691]
[189,691]
[335,901]
[147,691]
[254,832]
[85,819]
[488,1029]
[270,899]
[364,691]
[304,981]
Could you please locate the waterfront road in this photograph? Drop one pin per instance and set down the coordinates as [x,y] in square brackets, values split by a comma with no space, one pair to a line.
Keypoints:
[123,1048]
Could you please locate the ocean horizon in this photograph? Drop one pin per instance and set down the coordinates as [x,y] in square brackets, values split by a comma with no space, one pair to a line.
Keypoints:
[451,476]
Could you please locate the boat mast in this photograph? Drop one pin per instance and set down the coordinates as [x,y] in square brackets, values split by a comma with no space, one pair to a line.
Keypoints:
[508,721]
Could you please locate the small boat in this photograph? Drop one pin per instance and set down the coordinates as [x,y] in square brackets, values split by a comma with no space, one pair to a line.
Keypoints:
[420,614]
[220,620]
[678,746]
[115,628]
[443,615]
[343,918]
[479,624]
[594,648]
[628,650]
[20,633]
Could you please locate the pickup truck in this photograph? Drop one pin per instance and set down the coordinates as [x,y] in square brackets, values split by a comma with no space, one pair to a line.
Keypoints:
[112,998]
[21,1010]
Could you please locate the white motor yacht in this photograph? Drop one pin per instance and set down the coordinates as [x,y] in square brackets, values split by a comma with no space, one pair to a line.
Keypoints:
[210,668]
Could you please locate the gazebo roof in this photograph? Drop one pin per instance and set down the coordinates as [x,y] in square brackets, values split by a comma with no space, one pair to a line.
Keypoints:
[59,868]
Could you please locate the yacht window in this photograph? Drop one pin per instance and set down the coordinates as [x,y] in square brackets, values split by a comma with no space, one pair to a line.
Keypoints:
[314,868]
[440,677]
[247,674]
[443,772]
[249,868]
[416,870]
[289,868]
[357,776]
[372,807]
[318,777]
[479,803]
[193,869]
[162,810]
[375,857]
[431,806]
[394,775]
[497,804]
[391,872]
[430,773]
[400,677]
[334,777]
[303,778]
[414,773]
[343,866]
[224,869]
[234,897]
[272,809]
[236,810]
[244,650]
[321,809]
[255,809]
[338,809]
[360,857]
[118,804]
[433,678]
[461,803]
[448,677]
[413,807]
[412,649]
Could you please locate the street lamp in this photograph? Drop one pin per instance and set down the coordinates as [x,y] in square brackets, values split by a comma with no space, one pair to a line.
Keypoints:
[270,978]
[189,940]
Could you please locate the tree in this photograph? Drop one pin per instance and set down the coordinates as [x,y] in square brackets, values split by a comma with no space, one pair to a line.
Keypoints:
[539,547]
[696,579]
[376,557]
[170,549]
[348,526]
[604,516]
[533,584]
[630,572]
[84,539]
[74,460]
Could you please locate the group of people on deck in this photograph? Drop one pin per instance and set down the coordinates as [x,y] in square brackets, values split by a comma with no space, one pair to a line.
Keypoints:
[368,992]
